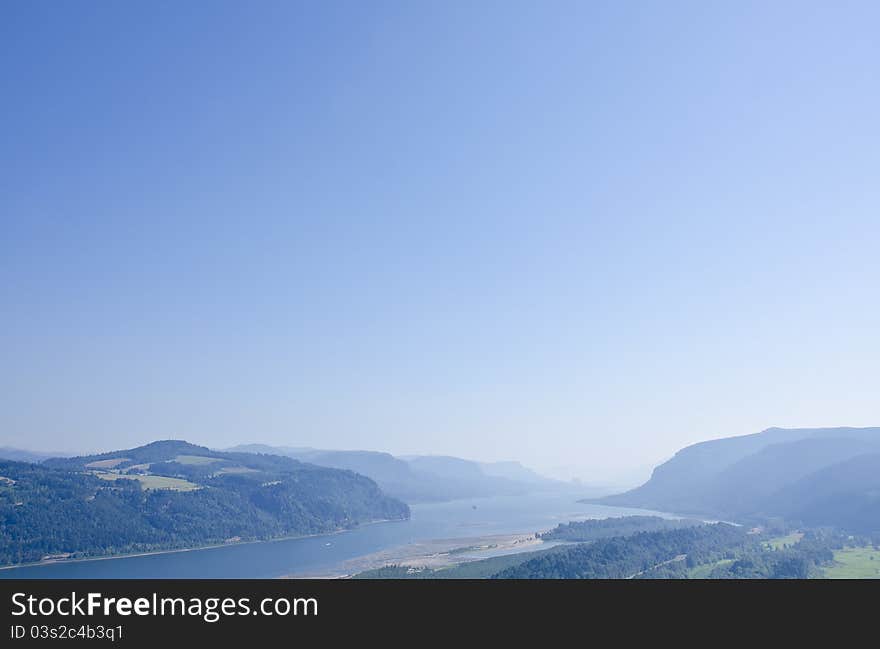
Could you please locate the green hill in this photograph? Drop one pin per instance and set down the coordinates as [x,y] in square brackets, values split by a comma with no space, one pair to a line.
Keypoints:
[172,494]
[426,478]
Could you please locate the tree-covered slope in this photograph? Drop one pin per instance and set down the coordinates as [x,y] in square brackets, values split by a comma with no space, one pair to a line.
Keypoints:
[633,556]
[778,472]
[173,494]
[845,495]
[395,476]
[21,455]
[604,528]
[747,487]
[426,478]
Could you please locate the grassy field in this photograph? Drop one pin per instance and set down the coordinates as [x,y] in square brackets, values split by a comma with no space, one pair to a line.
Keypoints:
[153,481]
[703,571]
[106,464]
[195,459]
[855,563]
[235,469]
[781,541]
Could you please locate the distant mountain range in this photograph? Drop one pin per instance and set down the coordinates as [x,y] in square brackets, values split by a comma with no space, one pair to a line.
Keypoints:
[425,478]
[817,476]
[172,494]
[20,455]
[810,476]
[413,479]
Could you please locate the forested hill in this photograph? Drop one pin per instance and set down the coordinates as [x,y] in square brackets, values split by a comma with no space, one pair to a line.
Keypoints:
[816,476]
[640,547]
[594,529]
[632,556]
[21,455]
[422,479]
[172,494]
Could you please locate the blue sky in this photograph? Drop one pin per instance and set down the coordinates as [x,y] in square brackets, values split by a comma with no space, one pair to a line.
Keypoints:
[581,235]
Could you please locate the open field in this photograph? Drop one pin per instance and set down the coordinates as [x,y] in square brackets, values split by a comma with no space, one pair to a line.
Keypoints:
[704,570]
[153,481]
[781,541]
[855,563]
[235,469]
[195,459]
[106,464]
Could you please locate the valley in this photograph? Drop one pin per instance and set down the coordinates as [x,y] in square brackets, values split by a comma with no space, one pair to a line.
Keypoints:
[799,503]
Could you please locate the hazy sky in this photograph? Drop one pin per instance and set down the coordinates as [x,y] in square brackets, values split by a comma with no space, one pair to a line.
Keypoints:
[579,234]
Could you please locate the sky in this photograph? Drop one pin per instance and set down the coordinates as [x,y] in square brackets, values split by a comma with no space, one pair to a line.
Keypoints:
[581,235]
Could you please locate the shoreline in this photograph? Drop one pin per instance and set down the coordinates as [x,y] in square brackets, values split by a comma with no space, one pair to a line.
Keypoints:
[435,554]
[434,550]
[213,546]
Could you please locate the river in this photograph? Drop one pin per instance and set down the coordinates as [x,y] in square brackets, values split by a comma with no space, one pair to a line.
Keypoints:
[324,554]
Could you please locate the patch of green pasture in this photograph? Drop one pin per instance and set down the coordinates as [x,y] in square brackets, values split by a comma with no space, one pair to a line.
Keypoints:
[153,481]
[195,459]
[235,469]
[780,542]
[107,464]
[855,563]
[705,569]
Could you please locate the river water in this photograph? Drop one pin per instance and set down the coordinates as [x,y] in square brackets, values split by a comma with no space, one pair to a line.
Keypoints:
[324,554]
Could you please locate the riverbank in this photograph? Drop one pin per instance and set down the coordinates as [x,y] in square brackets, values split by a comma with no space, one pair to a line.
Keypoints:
[229,544]
[475,528]
[435,554]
